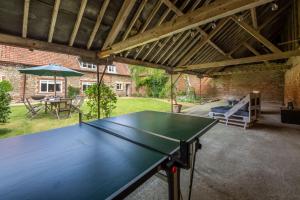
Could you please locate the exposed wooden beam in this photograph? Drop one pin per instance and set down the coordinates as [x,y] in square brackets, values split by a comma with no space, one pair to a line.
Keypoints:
[198,46]
[180,13]
[53,20]
[36,44]
[218,48]
[254,51]
[274,16]
[185,3]
[263,25]
[141,63]
[168,39]
[177,45]
[121,18]
[134,19]
[150,17]
[240,61]
[25,18]
[78,21]
[172,7]
[186,49]
[214,11]
[98,23]
[252,69]
[257,35]
[147,22]
[254,18]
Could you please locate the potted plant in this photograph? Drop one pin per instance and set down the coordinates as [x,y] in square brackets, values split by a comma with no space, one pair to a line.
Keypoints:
[176,106]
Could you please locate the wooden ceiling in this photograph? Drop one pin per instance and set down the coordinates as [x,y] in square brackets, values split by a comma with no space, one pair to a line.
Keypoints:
[191,36]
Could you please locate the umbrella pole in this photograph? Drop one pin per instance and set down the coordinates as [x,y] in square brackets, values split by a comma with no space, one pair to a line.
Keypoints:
[98,93]
[55,85]
[66,87]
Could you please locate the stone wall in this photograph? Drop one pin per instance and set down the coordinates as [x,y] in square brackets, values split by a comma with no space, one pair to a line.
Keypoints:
[292,82]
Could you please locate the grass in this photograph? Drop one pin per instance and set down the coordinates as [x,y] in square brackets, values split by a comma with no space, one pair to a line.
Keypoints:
[19,125]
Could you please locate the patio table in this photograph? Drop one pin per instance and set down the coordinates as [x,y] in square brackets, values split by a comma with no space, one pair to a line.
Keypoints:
[53,105]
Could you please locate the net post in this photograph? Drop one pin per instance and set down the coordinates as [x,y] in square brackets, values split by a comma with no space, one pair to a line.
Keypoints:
[80,117]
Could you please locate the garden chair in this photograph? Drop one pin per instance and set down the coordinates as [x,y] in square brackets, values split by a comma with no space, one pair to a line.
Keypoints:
[77,103]
[64,106]
[32,110]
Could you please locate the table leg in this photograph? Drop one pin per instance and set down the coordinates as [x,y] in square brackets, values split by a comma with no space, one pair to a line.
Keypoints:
[173,175]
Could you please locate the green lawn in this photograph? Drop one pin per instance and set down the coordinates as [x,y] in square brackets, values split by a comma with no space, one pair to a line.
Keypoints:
[19,124]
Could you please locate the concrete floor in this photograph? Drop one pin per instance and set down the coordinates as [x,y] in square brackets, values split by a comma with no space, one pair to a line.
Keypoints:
[261,163]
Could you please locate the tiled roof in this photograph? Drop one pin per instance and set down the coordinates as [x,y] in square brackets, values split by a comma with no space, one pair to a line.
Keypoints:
[17,55]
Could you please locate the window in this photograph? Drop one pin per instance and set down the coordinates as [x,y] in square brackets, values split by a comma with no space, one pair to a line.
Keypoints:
[86,65]
[119,86]
[48,86]
[86,85]
[111,69]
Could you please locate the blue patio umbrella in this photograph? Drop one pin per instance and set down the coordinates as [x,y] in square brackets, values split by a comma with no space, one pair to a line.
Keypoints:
[51,70]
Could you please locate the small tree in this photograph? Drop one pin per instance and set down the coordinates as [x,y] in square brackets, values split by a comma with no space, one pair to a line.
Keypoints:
[73,91]
[108,100]
[5,99]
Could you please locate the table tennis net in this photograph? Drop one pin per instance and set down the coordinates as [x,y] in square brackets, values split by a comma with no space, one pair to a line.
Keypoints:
[144,138]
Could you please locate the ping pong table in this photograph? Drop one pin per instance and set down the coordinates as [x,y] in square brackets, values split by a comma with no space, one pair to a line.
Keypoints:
[101,159]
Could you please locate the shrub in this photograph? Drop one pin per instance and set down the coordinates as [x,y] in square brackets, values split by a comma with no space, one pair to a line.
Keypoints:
[154,81]
[73,91]
[5,99]
[6,86]
[108,100]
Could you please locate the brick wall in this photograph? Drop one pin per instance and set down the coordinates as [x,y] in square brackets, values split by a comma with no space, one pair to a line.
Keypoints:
[32,86]
[269,83]
[292,82]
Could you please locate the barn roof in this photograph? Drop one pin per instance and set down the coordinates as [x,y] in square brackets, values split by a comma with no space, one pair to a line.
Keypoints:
[193,36]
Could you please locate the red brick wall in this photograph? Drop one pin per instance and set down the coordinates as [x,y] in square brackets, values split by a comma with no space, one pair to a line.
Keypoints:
[292,83]
[269,83]
[11,74]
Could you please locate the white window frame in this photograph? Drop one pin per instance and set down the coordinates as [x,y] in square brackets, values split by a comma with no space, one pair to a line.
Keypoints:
[50,82]
[111,69]
[121,86]
[88,83]
[88,66]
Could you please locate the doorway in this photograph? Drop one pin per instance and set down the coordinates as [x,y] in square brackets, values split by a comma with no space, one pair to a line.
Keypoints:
[128,90]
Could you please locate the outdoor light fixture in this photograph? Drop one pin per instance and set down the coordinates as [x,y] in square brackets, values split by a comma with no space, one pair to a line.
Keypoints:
[274,6]
[213,25]
[192,34]
[240,17]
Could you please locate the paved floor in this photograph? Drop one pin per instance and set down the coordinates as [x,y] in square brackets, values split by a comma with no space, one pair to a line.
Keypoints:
[261,163]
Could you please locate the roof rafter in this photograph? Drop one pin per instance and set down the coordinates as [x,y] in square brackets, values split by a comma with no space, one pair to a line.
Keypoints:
[25,18]
[216,10]
[78,21]
[254,51]
[121,18]
[53,20]
[152,14]
[40,45]
[98,23]
[172,7]
[254,18]
[141,63]
[256,35]
[168,39]
[137,14]
[240,61]
[198,46]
